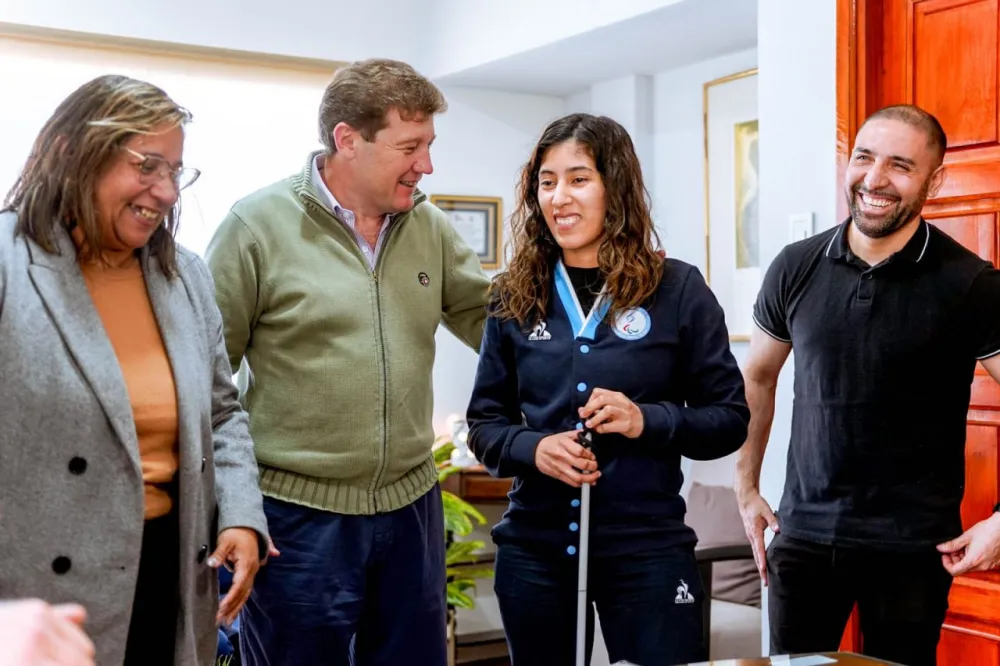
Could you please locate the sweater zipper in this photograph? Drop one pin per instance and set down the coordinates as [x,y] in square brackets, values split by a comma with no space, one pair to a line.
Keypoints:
[385,370]
[385,388]
[381,340]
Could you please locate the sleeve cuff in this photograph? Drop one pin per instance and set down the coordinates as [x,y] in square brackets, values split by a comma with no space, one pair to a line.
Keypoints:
[522,448]
[659,421]
[770,331]
[262,538]
[989,354]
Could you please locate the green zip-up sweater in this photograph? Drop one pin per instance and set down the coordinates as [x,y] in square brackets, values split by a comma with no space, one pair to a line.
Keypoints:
[340,394]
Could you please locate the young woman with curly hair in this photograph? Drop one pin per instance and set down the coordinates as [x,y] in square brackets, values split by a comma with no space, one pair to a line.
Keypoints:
[590,326]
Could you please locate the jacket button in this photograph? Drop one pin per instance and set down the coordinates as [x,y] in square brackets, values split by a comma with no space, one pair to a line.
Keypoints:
[78,465]
[61,565]
[202,465]
[202,554]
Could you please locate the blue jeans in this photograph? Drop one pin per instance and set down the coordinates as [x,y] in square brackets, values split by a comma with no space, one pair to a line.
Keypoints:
[359,590]
[649,606]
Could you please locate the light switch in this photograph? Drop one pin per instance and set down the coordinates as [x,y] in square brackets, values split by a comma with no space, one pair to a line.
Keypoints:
[801,226]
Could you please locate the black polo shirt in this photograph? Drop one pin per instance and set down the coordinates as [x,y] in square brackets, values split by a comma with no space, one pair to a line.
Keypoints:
[884,361]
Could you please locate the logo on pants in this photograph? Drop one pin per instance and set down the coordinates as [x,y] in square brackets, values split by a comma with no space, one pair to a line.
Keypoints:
[683,596]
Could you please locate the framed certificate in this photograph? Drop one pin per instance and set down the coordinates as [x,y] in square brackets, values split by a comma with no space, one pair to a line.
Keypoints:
[478,220]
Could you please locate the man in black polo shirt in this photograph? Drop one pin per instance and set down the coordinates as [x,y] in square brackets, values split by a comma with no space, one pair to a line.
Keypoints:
[888,317]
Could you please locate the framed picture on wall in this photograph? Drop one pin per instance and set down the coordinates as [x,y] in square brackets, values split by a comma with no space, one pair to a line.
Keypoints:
[732,208]
[478,220]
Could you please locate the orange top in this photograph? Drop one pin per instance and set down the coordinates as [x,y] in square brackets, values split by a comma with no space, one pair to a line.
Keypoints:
[120,296]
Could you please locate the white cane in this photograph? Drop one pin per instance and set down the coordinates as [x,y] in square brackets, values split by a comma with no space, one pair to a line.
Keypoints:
[586,439]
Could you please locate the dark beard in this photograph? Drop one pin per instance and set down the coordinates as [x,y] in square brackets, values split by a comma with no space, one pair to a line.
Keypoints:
[905,212]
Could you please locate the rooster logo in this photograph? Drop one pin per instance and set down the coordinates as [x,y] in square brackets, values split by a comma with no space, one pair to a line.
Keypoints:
[539,332]
[683,596]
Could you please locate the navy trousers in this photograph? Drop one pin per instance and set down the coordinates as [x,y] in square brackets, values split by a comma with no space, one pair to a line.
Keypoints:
[358,590]
[649,605]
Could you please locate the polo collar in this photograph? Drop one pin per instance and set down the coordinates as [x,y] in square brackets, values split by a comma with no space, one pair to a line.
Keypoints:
[913,252]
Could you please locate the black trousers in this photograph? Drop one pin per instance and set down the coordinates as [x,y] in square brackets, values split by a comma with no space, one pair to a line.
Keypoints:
[649,606]
[812,588]
[153,628]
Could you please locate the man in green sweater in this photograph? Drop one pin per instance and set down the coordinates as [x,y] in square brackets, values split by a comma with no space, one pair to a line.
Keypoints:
[332,284]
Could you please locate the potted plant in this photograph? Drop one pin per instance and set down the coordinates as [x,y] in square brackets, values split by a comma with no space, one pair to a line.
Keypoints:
[460,518]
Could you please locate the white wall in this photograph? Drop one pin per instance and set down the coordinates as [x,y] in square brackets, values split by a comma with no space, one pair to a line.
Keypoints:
[797,104]
[484,139]
[325,29]
[673,164]
[678,138]
[465,34]
[579,102]
[678,185]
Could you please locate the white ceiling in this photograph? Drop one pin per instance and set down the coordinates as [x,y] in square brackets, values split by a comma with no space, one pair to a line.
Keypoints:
[658,40]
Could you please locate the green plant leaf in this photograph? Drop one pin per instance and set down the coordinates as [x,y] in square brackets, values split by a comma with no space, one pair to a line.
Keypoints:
[446,471]
[452,502]
[457,524]
[464,572]
[460,552]
[442,452]
[462,583]
[456,521]
[477,573]
[460,599]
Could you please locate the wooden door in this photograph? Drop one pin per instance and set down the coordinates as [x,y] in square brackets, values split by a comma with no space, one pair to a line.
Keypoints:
[943,56]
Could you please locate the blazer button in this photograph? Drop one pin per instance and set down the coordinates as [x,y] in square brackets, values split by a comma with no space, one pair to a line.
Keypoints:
[202,554]
[78,465]
[202,465]
[61,565]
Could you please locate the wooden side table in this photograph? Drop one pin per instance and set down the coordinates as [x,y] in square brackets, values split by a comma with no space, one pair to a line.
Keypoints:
[474,484]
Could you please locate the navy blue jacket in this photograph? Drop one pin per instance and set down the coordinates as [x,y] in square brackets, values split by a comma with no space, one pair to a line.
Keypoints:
[671,357]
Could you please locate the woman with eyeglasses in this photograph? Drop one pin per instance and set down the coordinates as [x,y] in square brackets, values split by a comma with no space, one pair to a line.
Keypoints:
[127,473]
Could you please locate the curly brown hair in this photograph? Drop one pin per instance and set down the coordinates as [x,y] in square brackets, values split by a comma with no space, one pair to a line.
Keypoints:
[628,255]
[74,150]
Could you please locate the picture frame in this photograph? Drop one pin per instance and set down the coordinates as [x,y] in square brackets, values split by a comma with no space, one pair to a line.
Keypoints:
[732,211]
[478,220]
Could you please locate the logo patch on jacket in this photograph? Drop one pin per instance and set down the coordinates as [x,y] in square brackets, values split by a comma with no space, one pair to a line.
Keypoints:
[539,332]
[632,324]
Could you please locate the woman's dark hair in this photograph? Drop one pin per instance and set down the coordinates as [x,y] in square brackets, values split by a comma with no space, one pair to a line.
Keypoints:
[627,257]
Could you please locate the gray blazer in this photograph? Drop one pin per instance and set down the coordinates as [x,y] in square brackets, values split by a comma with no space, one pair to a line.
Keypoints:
[73,531]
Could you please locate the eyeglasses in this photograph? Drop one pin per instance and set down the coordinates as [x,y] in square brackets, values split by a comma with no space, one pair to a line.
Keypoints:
[153,168]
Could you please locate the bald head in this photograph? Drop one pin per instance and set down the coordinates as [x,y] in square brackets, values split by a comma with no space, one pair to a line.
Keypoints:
[919,119]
